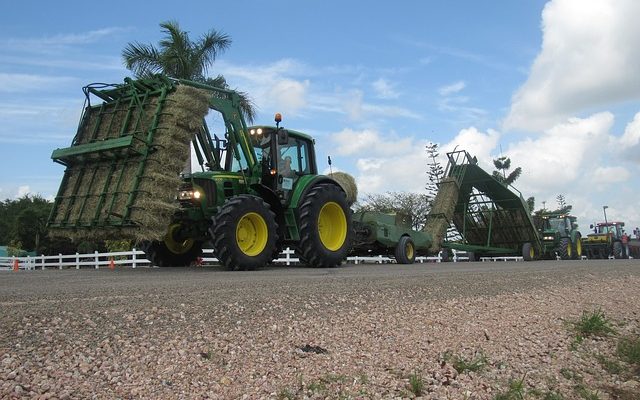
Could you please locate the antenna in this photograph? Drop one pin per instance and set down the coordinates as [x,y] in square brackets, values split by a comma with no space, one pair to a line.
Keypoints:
[330,169]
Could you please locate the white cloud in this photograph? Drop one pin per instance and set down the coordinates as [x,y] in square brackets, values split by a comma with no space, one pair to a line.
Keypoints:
[556,160]
[70,39]
[629,144]
[609,175]
[476,143]
[22,191]
[452,88]
[357,109]
[287,95]
[350,142]
[589,58]
[14,83]
[384,89]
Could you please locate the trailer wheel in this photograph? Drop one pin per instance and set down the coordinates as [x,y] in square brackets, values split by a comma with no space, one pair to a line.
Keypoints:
[324,221]
[244,233]
[471,256]
[405,251]
[162,255]
[566,250]
[528,252]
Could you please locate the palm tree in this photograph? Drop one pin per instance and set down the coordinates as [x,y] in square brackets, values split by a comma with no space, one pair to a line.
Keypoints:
[179,57]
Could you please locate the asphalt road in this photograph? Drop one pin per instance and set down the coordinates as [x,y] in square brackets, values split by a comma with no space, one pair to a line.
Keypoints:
[437,280]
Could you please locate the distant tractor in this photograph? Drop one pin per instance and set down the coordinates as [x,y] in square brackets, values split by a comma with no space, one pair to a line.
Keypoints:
[605,241]
[559,236]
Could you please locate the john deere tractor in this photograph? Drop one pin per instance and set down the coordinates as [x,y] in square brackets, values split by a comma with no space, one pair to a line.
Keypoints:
[258,189]
[559,236]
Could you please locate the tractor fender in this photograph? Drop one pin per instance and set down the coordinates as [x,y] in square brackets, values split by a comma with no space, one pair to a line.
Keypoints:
[305,183]
[575,235]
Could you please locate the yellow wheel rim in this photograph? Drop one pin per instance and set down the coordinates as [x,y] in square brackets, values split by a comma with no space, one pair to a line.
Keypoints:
[409,250]
[569,250]
[177,246]
[332,226]
[579,247]
[252,234]
[532,253]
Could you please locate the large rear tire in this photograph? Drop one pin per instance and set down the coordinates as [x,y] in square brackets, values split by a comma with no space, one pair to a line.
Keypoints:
[324,221]
[405,251]
[577,254]
[618,251]
[566,249]
[244,233]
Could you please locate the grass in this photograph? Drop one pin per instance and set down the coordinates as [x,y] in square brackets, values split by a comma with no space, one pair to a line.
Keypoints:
[586,393]
[516,391]
[461,364]
[285,394]
[610,365]
[416,384]
[629,350]
[593,324]
[553,396]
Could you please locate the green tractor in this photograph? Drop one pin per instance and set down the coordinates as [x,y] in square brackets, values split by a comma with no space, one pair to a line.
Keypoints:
[605,241]
[559,235]
[258,190]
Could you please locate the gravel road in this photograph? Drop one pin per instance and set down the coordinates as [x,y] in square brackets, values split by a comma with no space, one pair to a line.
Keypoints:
[359,331]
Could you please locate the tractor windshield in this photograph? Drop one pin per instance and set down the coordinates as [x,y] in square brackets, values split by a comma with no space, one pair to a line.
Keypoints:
[557,224]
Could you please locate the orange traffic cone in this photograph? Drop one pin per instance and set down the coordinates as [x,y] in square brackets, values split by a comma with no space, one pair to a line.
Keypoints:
[112,264]
[16,266]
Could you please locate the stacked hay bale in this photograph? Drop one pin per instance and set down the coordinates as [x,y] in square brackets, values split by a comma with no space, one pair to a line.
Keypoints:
[441,213]
[348,184]
[105,188]
[155,202]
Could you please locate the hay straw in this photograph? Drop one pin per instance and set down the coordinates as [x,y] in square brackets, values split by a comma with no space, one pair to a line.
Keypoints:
[154,202]
[441,213]
[348,184]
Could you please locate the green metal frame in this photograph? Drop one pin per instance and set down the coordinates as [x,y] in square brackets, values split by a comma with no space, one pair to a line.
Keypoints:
[492,218]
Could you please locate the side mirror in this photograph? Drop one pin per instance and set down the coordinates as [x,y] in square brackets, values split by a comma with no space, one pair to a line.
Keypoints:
[283,136]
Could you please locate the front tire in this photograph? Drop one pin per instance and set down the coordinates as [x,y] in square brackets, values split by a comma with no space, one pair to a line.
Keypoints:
[324,221]
[405,251]
[244,233]
[566,249]
[528,252]
[163,256]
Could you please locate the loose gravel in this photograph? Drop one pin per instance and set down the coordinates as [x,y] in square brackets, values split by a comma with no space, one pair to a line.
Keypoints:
[361,332]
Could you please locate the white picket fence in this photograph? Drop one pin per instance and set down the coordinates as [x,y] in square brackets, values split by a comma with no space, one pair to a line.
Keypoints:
[135,258]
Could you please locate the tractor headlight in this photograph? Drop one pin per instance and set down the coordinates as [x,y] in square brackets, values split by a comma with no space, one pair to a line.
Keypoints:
[188,195]
[548,238]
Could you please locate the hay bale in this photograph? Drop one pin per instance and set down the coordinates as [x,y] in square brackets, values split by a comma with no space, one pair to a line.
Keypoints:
[348,184]
[144,213]
[441,213]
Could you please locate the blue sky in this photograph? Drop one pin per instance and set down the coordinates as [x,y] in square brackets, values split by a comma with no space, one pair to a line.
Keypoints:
[553,85]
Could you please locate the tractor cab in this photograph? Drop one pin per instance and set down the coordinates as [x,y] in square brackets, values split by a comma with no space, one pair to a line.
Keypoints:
[613,229]
[554,226]
[284,157]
